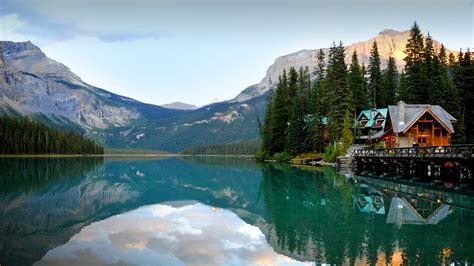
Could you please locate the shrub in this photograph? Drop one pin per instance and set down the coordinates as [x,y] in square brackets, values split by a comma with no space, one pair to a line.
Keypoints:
[282,157]
[380,145]
[261,156]
[331,153]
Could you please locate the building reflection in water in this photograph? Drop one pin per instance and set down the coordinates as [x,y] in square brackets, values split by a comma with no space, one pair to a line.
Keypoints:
[363,222]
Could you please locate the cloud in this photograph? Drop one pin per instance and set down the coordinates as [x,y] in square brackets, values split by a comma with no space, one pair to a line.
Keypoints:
[195,234]
[32,19]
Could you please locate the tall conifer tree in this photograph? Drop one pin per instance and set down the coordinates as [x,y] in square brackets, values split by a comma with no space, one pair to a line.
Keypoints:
[414,75]
[341,97]
[280,116]
[464,78]
[296,125]
[356,83]
[319,99]
[266,128]
[376,94]
[319,96]
[390,82]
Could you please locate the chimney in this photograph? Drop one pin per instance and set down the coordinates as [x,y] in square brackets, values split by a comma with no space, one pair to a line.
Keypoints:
[401,111]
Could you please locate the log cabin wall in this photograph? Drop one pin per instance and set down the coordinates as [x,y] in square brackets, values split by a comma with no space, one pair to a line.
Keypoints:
[426,131]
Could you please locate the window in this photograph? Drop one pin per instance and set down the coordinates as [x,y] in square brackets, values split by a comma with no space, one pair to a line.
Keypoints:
[421,140]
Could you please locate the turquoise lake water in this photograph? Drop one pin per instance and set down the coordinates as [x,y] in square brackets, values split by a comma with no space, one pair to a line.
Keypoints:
[221,211]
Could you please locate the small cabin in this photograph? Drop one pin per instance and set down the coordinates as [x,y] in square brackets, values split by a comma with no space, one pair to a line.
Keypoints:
[369,123]
[416,124]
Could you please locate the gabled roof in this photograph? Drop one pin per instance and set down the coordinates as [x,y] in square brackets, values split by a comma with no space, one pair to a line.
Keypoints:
[412,112]
[371,120]
[402,212]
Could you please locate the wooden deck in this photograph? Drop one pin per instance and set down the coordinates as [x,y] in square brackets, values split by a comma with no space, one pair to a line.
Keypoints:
[464,151]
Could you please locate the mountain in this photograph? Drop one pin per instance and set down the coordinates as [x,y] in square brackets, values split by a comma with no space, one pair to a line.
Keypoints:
[388,41]
[180,106]
[32,84]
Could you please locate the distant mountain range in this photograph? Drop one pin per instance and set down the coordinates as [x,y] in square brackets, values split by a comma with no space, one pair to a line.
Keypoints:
[31,84]
[180,106]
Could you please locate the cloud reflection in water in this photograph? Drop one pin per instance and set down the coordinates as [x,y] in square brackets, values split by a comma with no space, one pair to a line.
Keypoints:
[193,234]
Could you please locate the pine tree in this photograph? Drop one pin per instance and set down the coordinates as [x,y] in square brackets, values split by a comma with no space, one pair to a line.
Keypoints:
[292,84]
[280,116]
[414,74]
[390,82]
[450,96]
[304,84]
[319,99]
[432,69]
[321,85]
[356,83]
[266,128]
[402,88]
[464,78]
[340,95]
[376,93]
[296,125]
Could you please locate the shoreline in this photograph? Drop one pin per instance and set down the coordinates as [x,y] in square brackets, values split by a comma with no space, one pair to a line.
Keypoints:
[114,155]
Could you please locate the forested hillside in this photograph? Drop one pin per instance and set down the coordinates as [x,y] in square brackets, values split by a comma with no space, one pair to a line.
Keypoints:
[234,148]
[27,136]
[293,121]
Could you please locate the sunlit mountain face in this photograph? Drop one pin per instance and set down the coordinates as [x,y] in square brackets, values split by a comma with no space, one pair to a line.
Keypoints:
[221,211]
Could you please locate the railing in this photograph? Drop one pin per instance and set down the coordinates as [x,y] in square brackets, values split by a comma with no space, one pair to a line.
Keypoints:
[454,151]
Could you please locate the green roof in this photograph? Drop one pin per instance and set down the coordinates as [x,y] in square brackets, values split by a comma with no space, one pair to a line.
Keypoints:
[368,113]
[324,120]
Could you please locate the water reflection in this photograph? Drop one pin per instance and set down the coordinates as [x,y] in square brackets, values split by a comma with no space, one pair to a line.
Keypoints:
[334,221]
[312,216]
[171,234]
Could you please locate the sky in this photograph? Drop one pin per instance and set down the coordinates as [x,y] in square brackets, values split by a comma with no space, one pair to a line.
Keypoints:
[196,51]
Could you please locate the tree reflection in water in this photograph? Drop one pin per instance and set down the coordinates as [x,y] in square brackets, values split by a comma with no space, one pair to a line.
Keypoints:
[313,215]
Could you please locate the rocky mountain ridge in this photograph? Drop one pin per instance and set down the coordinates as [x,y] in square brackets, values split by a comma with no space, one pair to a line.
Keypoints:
[33,84]
[389,42]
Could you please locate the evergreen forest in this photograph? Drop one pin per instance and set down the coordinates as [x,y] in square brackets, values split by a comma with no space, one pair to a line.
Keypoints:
[310,113]
[29,136]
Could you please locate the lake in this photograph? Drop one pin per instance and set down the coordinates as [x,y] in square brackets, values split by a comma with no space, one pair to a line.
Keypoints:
[221,211]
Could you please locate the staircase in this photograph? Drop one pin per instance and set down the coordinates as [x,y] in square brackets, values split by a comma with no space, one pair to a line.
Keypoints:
[346,161]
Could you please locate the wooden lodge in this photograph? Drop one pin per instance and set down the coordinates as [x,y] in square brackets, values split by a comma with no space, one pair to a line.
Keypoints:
[408,125]
[369,123]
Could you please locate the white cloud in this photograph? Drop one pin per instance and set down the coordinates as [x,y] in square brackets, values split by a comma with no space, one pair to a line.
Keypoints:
[195,234]
[52,21]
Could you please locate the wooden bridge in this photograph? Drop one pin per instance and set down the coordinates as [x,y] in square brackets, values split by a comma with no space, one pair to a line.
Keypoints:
[433,164]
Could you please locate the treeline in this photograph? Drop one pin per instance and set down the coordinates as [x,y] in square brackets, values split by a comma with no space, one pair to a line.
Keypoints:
[33,174]
[234,148]
[28,136]
[297,111]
